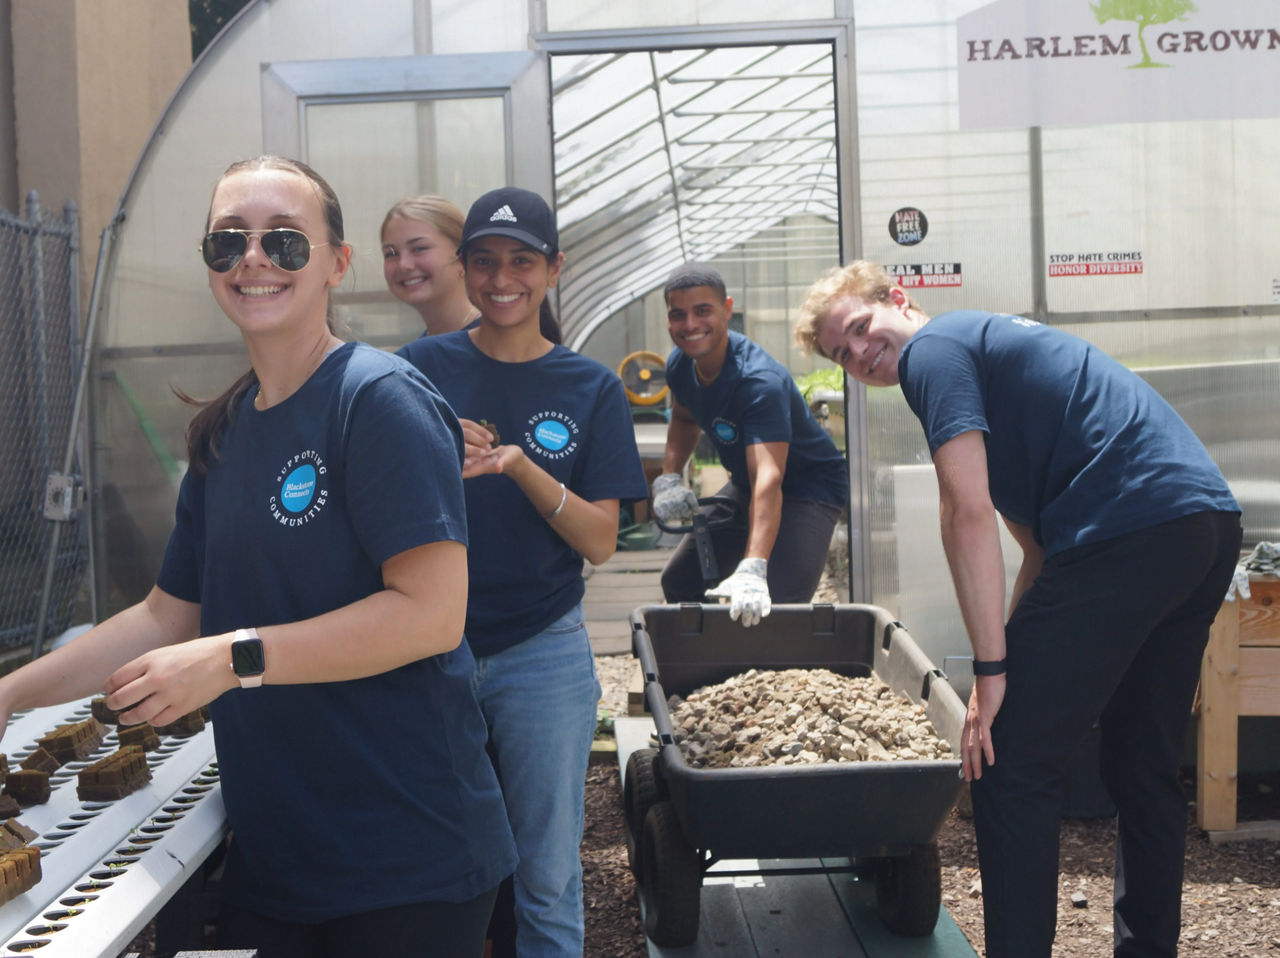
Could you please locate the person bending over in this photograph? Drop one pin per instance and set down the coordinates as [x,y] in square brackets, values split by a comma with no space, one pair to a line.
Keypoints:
[1129,537]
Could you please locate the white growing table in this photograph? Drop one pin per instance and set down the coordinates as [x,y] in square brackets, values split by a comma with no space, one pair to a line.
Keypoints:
[108,867]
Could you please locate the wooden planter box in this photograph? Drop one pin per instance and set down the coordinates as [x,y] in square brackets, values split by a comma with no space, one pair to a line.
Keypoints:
[1240,675]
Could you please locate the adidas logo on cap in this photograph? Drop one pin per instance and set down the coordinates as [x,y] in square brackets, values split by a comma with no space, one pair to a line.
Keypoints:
[513,212]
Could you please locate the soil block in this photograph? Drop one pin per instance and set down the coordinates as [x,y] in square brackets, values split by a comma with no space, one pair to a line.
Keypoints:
[105,715]
[184,725]
[28,787]
[142,735]
[68,743]
[115,776]
[40,761]
[14,834]
[19,872]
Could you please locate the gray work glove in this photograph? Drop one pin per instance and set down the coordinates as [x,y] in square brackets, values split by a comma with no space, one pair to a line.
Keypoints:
[673,502]
[747,591]
[1239,584]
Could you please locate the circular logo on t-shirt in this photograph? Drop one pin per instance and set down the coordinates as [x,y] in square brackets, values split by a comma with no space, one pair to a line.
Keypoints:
[725,431]
[552,435]
[300,489]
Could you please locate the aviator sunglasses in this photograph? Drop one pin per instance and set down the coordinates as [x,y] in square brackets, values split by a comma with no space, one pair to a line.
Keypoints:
[286,248]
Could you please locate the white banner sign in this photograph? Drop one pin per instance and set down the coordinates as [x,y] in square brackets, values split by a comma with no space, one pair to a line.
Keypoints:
[1037,63]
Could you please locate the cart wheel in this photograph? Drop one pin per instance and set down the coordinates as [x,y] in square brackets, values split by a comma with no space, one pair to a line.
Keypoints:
[640,792]
[909,891]
[670,880]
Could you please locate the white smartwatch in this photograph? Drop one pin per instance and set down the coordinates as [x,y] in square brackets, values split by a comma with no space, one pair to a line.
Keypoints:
[248,659]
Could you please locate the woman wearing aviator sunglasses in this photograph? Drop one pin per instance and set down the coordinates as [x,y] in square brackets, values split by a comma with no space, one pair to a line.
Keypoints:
[313,591]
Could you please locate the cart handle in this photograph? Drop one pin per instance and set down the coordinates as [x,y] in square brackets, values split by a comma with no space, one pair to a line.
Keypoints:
[716,520]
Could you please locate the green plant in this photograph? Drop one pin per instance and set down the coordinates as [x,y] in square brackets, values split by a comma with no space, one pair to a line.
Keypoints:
[828,377]
[604,724]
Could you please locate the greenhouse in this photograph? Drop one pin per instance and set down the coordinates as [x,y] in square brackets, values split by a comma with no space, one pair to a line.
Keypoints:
[460,670]
[774,140]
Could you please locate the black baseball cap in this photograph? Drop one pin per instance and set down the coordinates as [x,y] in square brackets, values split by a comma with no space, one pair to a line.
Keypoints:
[511,211]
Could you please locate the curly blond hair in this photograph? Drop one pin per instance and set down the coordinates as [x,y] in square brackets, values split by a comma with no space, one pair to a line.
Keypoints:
[868,281]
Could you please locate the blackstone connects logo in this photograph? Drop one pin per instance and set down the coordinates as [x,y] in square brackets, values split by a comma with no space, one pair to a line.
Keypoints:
[302,489]
[551,435]
[725,431]
[1144,13]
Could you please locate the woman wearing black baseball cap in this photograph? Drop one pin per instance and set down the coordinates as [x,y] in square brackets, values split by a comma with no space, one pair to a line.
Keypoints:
[550,452]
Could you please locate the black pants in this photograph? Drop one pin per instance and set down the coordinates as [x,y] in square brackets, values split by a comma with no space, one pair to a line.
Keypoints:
[433,929]
[1111,632]
[795,565]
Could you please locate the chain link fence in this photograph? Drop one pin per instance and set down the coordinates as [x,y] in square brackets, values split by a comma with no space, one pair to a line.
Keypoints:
[42,559]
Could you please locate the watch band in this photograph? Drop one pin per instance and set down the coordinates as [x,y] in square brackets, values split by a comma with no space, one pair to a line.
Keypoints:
[248,658]
[993,667]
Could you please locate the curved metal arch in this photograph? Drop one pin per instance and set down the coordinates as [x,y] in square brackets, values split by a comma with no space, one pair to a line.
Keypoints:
[719,152]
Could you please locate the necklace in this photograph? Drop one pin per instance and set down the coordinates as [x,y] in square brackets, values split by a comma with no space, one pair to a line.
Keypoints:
[702,378]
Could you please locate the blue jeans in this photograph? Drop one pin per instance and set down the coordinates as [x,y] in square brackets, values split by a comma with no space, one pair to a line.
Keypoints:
[539,699]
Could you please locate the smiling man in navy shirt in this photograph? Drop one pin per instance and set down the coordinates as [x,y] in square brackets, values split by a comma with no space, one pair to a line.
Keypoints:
[783,467]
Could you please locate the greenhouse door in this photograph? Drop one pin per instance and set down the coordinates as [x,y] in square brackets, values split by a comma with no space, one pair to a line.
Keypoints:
[382,129]
[734,145]
[441,123]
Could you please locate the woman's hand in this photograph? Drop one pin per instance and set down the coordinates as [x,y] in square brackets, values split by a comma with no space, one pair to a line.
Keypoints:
[480,452]
[483,456]
[478,439]
[984,703]
[164,684]
[497,460]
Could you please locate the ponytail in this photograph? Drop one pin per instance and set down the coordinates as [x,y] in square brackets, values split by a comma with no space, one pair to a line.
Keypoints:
[206,428]
[548,325]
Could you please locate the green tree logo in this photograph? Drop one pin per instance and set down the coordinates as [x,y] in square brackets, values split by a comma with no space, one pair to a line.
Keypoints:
[1143,13]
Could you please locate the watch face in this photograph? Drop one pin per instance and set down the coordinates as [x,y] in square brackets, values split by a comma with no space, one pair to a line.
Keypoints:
[247,657]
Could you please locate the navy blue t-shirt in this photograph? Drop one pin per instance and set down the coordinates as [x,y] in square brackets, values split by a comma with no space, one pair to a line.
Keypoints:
[754,400]
[570,415]
[1079,447]
[344,797]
